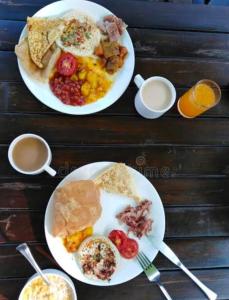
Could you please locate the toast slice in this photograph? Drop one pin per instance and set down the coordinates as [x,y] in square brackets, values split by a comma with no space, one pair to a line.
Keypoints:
[118,180]
[42,33]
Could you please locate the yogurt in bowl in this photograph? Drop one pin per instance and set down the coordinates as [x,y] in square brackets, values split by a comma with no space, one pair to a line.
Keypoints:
[61,288]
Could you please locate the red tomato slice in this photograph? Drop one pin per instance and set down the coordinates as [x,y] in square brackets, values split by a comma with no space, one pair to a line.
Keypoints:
[66,64]
[117,237]
[129,248]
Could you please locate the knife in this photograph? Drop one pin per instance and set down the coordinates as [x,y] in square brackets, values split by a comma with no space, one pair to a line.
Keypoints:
[164,249]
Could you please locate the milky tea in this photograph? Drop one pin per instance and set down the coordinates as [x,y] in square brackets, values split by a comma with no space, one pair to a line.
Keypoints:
[156,95]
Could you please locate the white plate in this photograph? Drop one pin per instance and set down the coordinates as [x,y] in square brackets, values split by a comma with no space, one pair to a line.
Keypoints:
[42,91]
[111,205]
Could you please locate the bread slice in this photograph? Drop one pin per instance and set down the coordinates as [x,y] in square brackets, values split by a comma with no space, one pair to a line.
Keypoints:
[118,180]
[42,33]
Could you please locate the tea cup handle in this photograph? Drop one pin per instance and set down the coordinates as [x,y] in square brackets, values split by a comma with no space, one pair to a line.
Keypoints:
[139,80]
[50,170]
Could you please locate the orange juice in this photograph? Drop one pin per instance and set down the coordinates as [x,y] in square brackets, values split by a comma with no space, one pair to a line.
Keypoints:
[204,95]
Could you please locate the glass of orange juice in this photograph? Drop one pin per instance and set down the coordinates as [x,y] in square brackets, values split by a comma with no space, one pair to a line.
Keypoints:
[204,95]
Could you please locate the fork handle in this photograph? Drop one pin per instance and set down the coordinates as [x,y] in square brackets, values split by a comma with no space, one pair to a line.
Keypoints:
[209,293]
[164,291]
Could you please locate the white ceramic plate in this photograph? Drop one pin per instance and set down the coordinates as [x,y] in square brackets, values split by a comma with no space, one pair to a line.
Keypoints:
[51,272]
[111,205]
[42,91]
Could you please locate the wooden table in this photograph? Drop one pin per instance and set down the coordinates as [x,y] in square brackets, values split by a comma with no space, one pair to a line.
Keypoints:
[189,158]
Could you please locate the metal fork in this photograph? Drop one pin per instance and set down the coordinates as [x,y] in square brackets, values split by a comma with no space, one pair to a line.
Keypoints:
[152,272]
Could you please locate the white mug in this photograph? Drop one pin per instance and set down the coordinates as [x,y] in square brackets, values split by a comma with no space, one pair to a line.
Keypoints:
[46,166]
[141,106]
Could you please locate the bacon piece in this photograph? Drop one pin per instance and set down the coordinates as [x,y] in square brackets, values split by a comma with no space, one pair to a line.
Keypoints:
[112,26]
[137,218]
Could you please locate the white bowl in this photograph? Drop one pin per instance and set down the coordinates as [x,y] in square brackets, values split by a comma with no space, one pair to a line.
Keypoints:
[51,272]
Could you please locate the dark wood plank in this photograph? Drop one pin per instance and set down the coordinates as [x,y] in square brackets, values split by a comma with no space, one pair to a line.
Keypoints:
[166,43]
[199,221]
[122,130]
[176,282]
[148,42]
[150,15]
[16,98]
[179,71]
[155,162]
[21,226]
[9,34]
[216,249]
[33,194]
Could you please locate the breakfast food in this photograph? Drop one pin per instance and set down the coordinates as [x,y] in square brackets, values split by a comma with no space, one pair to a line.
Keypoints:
[79,81]
[39,290]
[42,33]
[112,55]
[76,207]
[137,218]
[98,258]
[118,180]
[48,61]
[76,56]
[112,26]
[73,241]
[80,35]
[127,247]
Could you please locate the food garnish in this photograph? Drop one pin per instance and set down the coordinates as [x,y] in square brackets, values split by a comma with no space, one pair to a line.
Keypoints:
[127,247]
[73,241]
[117,179]
[80,36]
[39,290]
[137,218]
[76,207]
[98,258]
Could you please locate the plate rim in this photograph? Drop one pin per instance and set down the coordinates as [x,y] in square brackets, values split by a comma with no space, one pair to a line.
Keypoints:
[60,109]
[98,283]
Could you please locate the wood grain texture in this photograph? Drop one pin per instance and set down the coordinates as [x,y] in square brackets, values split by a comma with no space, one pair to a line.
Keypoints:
[176,282]
[123,130]
[147,42]
[214,250]
[180,71]
[135,14]
[16,98]
[33,194]
[186,160]
[27,226]
[155,162]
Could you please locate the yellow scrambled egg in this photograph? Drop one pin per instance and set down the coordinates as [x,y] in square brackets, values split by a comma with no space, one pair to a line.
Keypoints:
[96,81]
[39,290]
[72,242]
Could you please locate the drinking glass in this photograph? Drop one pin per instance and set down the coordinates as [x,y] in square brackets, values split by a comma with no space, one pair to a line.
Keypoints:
[204,95]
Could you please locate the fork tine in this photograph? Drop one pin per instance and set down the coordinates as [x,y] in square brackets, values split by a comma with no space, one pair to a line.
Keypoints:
[141,262]
[145,259]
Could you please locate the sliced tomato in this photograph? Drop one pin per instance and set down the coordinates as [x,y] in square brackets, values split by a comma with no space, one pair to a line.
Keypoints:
[117,237]
[66,64]
[129,248]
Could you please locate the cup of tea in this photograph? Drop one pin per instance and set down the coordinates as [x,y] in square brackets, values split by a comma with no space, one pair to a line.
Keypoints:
[30,154]
[156,95]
